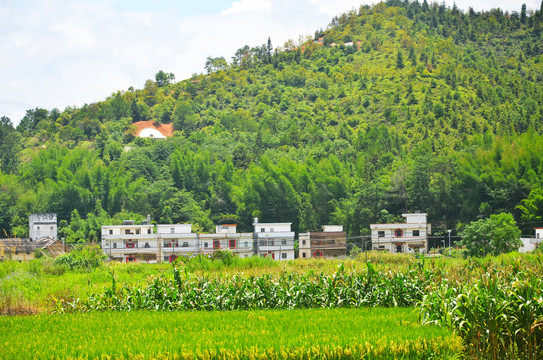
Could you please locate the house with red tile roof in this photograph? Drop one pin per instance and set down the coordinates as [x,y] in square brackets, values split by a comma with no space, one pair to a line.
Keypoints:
[151,129]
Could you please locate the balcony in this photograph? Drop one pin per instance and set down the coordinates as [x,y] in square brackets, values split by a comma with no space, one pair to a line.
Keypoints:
[128,236]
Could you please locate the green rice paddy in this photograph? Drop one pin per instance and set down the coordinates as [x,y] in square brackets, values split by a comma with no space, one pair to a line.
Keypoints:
[370,333]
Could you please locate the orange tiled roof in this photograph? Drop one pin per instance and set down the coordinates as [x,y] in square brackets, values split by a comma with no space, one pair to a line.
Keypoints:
[164,129]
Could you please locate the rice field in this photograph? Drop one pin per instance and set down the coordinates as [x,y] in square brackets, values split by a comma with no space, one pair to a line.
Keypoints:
[494,304]
[370,333]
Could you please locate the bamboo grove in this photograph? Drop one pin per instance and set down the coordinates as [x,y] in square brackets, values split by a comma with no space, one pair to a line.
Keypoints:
[431,108]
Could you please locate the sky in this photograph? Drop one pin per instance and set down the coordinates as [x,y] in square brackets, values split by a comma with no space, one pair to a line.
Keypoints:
[60,53]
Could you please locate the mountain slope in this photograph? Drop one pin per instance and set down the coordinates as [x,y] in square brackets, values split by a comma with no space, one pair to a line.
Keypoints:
[429,109]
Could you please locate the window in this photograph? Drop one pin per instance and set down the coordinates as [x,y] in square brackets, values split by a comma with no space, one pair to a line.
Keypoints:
[51,228]
[283,255]
[205,244]
[283,242]
[303,243]
[303,255]
[232,244]
[185,244]
[261,229]
[148,231]
[110,232]
[127,232]
[416,233]
[381,233]
[216,244]
[398,233]
[147,245]
[172,230]
[271,230]
[246,244]
[114,245]
[38,227]
[137,231]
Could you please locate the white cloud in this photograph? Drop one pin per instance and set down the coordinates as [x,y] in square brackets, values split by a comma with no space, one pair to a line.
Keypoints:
[60,53]
[333,8]
[243,6]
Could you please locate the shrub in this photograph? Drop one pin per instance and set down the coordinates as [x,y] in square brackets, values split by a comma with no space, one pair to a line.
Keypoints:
[82,257]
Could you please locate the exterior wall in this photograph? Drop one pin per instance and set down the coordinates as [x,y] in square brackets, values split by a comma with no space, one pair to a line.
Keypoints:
[304,246]
[241,244]
[402,237]
[42,225]
[274,240]
[151,133]
[328,244]
[130,242]
[530,244]
[174,229]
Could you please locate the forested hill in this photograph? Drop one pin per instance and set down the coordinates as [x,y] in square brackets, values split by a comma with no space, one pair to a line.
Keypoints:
[430,108]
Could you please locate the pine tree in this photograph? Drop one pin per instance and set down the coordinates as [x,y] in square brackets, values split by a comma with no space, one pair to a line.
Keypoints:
[399,60]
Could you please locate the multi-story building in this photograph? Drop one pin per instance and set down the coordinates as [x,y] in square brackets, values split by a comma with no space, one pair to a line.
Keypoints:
[329,243]
[409,237]
[226,238]
[275,240]
[130,241]
[42,226]
[174,240]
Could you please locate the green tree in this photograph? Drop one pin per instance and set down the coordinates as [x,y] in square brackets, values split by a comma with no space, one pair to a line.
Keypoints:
[399,60]
[183,117]
[10,145]
[495,235]
[162,79]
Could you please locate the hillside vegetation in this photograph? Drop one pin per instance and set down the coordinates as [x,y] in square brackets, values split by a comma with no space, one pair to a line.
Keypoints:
[431,109]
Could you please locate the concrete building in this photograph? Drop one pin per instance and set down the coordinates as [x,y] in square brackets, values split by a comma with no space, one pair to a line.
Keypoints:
[330,243]
[226,238]
[530,244]
[151,129]
[176,240]
[130,241]
[275,240]
[408,237]
[42,226]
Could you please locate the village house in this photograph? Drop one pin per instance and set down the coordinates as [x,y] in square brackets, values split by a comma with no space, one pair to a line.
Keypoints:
[43,236]
[151,129]
[176,240]
[226,238]
[330,243]
[130,241]
[24,249]
[275,240]
[140,242]
[42,226]
[530,244]
[408,237]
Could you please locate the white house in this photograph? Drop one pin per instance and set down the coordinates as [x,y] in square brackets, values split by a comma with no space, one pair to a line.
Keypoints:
[174,240]
[42,226]
[151,129]
[409,237]
[130,241]
[274,240]
[530,244]
[226,238]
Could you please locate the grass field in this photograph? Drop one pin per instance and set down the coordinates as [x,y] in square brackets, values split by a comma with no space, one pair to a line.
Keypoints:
[494,304]
[380,333]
